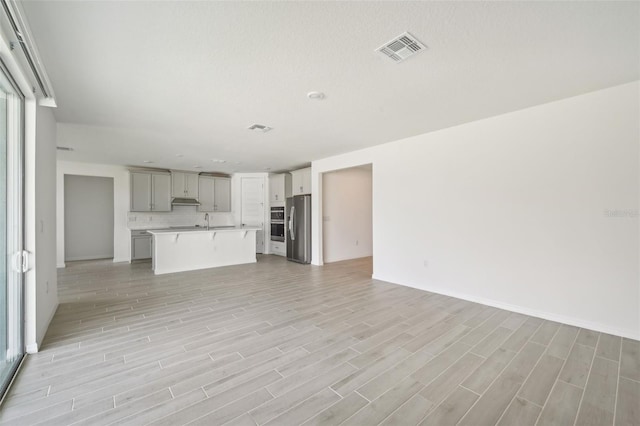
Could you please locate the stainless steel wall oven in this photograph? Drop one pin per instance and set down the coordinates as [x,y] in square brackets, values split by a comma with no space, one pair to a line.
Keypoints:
[277,224]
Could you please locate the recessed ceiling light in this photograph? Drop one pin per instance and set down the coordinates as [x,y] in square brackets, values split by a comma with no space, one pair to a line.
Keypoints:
[197,167]
[147,161]
[315,95]
[179,155]
[259,128]
[215,160]
[64,148]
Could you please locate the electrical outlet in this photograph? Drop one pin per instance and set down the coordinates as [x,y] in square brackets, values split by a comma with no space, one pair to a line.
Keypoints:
[357,242]
[425,263]
[150,218]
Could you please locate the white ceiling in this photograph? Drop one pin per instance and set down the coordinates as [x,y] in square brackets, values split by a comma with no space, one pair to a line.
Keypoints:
[141,81]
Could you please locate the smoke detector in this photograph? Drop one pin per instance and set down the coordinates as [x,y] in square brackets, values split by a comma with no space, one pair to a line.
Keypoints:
[259,128]
[64,148]
[401,47]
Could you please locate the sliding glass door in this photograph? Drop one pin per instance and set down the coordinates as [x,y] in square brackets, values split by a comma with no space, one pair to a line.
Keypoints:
[12,262]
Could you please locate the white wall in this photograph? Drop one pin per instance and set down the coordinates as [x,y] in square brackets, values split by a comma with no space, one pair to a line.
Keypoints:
[88,205]
[41,283]
[120,175]
[534,211]
[40,286]
[346,215]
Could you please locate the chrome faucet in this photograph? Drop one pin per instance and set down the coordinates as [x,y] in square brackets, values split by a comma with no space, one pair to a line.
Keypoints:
[206,217]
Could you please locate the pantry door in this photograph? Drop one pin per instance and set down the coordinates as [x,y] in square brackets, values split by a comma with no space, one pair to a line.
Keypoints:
[252,209]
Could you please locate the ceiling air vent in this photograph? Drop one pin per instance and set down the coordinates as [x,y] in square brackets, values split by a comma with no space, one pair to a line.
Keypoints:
[401,47]
[259,128]
[64,148]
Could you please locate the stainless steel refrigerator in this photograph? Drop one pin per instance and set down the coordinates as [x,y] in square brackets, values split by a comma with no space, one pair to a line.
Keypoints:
[299,228]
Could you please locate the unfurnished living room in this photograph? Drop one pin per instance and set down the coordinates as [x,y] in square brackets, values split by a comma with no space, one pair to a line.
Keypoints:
[320,213]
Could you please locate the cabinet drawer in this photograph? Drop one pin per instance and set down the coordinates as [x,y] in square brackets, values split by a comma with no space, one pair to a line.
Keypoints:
[278,248]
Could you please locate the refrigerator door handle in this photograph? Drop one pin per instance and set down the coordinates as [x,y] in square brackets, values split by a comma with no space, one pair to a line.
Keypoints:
[291,223]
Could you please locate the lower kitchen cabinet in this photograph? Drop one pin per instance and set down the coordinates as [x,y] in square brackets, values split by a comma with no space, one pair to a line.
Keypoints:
[141,242]
[278,248]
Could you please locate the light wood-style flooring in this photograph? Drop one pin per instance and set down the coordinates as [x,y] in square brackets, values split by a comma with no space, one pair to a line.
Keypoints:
[280,343]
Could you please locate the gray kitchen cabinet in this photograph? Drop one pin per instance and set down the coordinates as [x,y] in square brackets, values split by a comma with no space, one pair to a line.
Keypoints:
[141,245]
[150,191]
[140,192]
[206,188]
[160,192]
[184,185]
[214,194]
[222,195]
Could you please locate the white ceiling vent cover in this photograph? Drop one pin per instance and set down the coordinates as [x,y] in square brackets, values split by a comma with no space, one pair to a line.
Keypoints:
[401,47]
[259,128]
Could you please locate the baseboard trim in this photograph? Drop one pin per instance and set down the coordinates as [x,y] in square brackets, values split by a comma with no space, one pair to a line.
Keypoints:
[121,260]
[577,322]
[40,339]
[92,257]
[32,348]
[61,265]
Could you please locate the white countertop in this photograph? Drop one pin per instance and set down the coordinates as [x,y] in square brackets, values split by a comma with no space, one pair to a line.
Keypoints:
[166,228]
[203,230]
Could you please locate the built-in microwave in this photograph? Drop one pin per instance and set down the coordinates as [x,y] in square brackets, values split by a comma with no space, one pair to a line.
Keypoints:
[277,214]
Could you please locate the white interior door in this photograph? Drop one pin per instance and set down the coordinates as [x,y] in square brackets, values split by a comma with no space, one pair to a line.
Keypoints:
[252,208]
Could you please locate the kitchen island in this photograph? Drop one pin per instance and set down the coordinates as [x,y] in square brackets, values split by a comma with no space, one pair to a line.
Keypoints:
[186,250]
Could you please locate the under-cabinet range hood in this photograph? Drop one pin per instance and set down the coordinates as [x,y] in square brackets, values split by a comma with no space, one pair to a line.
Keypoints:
[185,202]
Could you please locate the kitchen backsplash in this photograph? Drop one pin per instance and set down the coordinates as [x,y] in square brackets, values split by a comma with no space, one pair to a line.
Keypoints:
[180,216]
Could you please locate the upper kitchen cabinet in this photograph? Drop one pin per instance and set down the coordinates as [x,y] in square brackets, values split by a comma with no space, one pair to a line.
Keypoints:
[184,185]
[301,181]
[214,194]
[279,187]
[222,195]
[150,191]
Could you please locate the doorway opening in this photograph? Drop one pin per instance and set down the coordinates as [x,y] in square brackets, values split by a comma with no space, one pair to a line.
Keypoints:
[347,215]
[88,217]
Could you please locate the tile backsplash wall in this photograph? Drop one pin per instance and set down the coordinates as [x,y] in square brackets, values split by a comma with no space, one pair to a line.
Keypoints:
[180,216]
